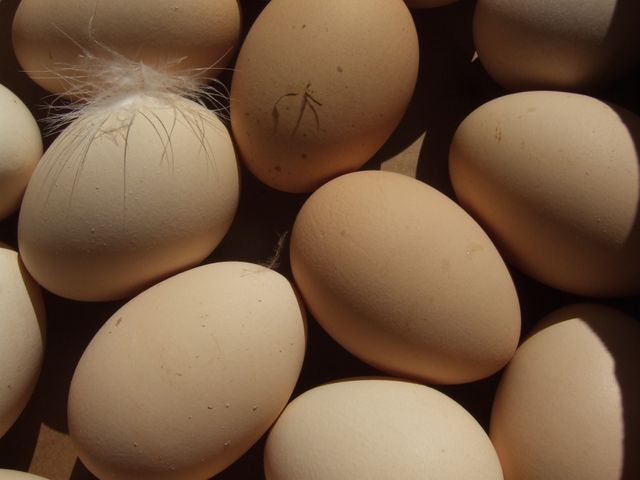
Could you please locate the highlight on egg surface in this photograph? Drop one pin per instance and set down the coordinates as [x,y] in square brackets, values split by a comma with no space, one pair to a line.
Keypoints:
[184,378]
[568,404]
[22,337]
[20,150]
[56,40]
[378,428]
[404,279]
[142,184]
[554,177]
[319,86]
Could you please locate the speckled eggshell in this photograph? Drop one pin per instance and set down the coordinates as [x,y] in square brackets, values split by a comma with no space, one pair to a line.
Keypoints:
[379,429]
[557,45]
[128,195]
[568,405]
[22,337]
[404,279]
[20,150]
[554,177]
[49,35]
[16,475]
[319,86]
[184,378]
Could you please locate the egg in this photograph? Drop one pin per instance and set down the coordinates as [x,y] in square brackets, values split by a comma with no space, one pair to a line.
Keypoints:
[16,475]
[23,327]
[547,44]
[319,86]
[52,39]
[127,195]
[554,177]
[20,150]
[378,428]
[186,376]
[568,405]
[400,276]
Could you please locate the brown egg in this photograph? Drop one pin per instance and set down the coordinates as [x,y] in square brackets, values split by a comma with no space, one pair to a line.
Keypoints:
[184,378]
[16,475]
[404,279]
[568,405]
[128,195]
[49,36]
[22,337]
[20,150]
[558,45]
[319,86]
[378,428]
[555,179]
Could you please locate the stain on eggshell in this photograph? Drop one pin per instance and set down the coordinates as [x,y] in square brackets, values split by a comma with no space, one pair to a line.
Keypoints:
[187,376]
[568,404]
[404,279]
[319,86]
[51,38]
[378,428]
[554,177]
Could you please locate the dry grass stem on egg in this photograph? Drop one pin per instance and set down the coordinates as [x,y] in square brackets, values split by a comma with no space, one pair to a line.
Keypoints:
[274,262]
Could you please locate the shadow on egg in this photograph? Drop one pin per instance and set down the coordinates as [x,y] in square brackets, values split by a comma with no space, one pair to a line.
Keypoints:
[624,353]
[632,122]
[11,74]
[625,356]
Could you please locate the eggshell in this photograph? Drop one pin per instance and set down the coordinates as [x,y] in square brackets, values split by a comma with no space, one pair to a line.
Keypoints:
[22,337]
[568,405]
[547,44]
[50,37]
[16,475]
[319,86]
[184,378]
[128,195]
[404,279]
[20,150]
[378,429]
[554,177]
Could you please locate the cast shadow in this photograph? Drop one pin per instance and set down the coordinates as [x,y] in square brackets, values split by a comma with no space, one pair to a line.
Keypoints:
[70,327]
[449,87]
[11,74]
[18,444]
[262,226]
[620,338]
